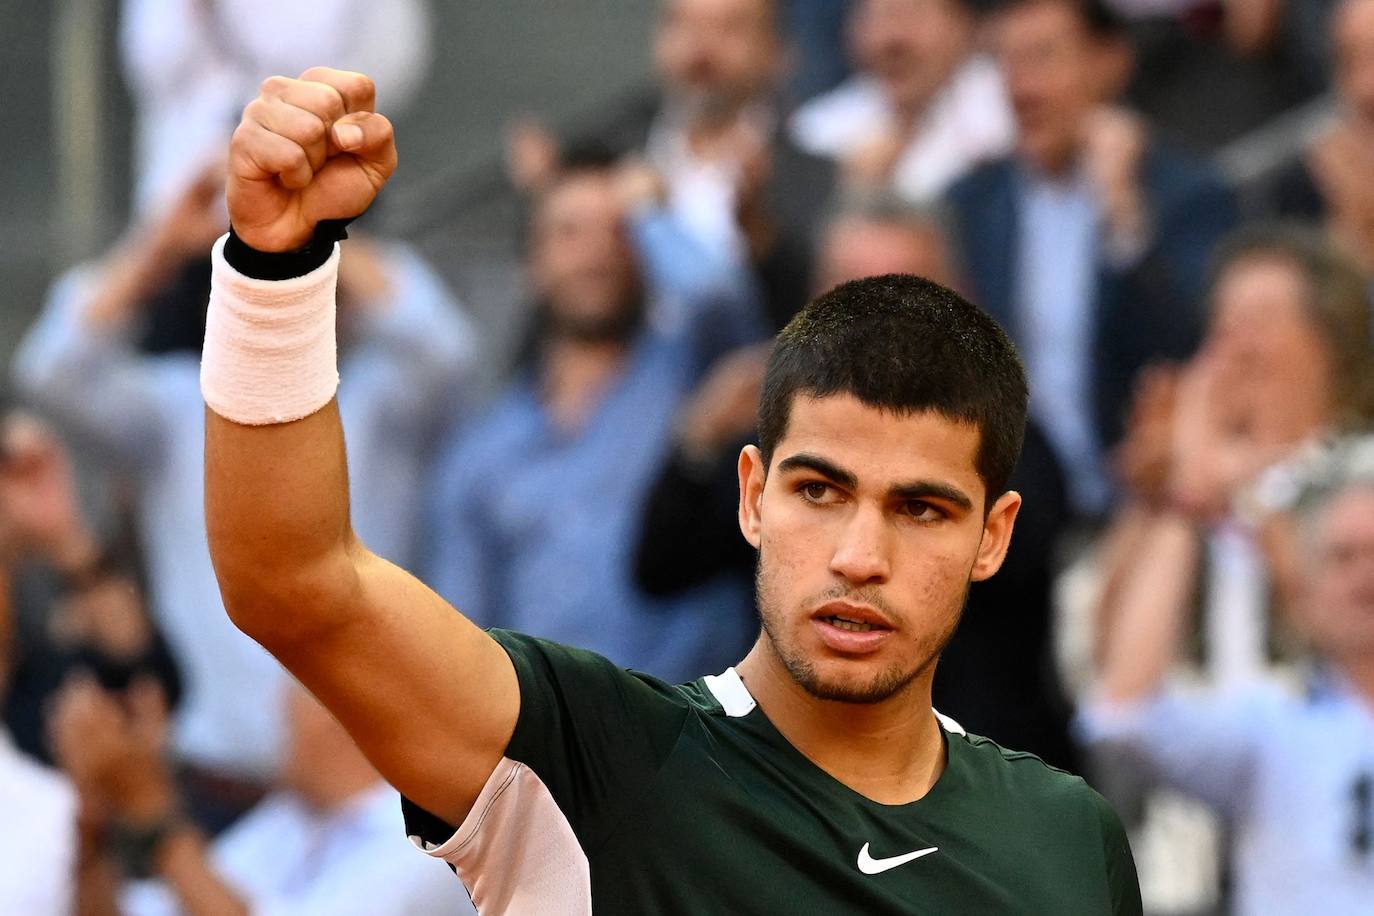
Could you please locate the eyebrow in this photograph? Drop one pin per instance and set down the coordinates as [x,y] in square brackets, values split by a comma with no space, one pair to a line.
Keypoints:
[915,489]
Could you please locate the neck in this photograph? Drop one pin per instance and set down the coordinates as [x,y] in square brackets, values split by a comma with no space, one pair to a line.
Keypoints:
[575,375]
[892,752]
[1359,674]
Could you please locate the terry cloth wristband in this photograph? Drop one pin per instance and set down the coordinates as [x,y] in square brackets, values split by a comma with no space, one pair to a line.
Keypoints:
[270,351]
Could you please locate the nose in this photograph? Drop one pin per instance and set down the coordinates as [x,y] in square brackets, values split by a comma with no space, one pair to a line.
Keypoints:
[861,556]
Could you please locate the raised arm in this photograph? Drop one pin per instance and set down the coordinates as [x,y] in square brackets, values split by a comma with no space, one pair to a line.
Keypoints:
[429,697]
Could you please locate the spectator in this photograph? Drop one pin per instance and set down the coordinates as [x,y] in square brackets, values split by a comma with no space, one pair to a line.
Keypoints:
[38,839]
[998,671]
[712,142]
[406,343]
[192,64]
[1292,771]
[1286,363]
[574,443]
[83,610]
[925,107]
[325,841]
[1329,182]
[1091,243]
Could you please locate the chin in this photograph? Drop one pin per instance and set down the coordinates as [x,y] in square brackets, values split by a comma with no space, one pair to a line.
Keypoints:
[851,681]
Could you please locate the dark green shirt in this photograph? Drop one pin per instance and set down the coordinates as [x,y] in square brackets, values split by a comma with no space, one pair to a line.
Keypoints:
[621,794]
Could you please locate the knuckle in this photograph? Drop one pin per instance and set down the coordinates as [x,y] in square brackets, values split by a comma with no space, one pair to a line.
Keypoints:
[275,85]
[361,84]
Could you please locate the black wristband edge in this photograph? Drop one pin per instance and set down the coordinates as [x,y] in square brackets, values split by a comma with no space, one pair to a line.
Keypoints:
[285,265]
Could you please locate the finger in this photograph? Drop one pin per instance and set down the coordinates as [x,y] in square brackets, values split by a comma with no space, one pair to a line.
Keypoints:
[369,137]
[259,154]
[301,126]
[321,99]
[357,90]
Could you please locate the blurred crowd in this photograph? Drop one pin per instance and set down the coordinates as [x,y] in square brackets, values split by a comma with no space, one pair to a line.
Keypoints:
[1167,203]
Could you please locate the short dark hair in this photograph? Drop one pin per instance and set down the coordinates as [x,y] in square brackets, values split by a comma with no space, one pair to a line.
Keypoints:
[908,345]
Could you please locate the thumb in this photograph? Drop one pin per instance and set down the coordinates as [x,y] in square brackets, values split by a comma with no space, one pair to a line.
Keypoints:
[365,134]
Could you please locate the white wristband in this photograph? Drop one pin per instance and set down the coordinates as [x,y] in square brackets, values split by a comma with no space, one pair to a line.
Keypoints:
[270,352]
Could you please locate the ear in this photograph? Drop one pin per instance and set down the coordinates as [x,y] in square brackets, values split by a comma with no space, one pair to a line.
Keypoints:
[996,535]
[751,479]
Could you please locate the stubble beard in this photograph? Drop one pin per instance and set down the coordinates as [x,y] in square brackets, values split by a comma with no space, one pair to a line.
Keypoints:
[885,684]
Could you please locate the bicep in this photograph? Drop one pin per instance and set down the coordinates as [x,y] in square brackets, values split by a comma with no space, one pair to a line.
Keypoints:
[429,697]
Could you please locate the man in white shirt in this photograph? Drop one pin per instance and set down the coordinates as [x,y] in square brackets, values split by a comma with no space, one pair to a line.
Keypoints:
[1293,772]
[327,840]
[925,106]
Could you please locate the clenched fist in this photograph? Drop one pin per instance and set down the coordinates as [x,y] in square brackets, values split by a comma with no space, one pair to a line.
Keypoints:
[307,149]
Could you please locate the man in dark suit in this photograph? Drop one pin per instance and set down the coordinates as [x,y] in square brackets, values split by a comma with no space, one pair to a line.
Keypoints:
[1091,242]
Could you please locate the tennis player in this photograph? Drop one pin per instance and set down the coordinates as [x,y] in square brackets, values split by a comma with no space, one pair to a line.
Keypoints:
[814,777]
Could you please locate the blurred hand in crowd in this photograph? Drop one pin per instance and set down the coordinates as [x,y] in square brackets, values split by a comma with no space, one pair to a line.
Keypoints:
[724,409]
[532,155]
[1144,459]
[113,747]
[1341,163]
[39,513]
[166,241]
[1114,141]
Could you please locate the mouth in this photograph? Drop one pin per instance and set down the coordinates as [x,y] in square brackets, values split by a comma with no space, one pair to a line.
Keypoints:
[851,629]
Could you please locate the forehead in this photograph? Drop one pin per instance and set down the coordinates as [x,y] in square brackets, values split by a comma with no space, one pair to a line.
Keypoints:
[585,195]
[882,447]
[1266,284]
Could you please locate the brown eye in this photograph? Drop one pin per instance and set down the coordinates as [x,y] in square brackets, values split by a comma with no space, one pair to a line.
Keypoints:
[814,491]
[923,511]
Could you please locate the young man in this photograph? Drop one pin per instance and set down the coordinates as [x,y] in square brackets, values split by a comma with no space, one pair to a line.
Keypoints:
[813,778]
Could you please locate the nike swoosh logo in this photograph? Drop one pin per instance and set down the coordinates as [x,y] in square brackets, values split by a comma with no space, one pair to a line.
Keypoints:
[871,866]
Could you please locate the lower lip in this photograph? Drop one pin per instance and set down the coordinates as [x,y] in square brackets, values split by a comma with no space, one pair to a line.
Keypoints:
[850,642]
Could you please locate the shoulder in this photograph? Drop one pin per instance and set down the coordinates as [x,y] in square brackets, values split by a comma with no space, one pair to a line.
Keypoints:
[1026,780]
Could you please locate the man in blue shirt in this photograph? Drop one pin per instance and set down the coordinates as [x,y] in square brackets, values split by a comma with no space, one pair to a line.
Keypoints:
[549,552]
[1090,243]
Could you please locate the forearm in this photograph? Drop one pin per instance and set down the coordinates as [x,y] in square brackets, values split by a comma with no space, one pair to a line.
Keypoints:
[1150,609]
[184,863]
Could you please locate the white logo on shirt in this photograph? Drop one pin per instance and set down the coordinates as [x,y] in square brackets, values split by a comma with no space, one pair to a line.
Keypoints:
[871,866]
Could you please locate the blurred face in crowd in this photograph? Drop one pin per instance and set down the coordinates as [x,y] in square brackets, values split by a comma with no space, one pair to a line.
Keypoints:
[1264,332]
[1353,41]
[911,46]
[871,516]
[715,55]
[857,247]
[582,264]
[1058,73]
[322,764]
[1337,605]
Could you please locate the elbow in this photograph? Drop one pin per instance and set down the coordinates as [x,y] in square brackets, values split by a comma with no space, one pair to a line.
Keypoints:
[280,608]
